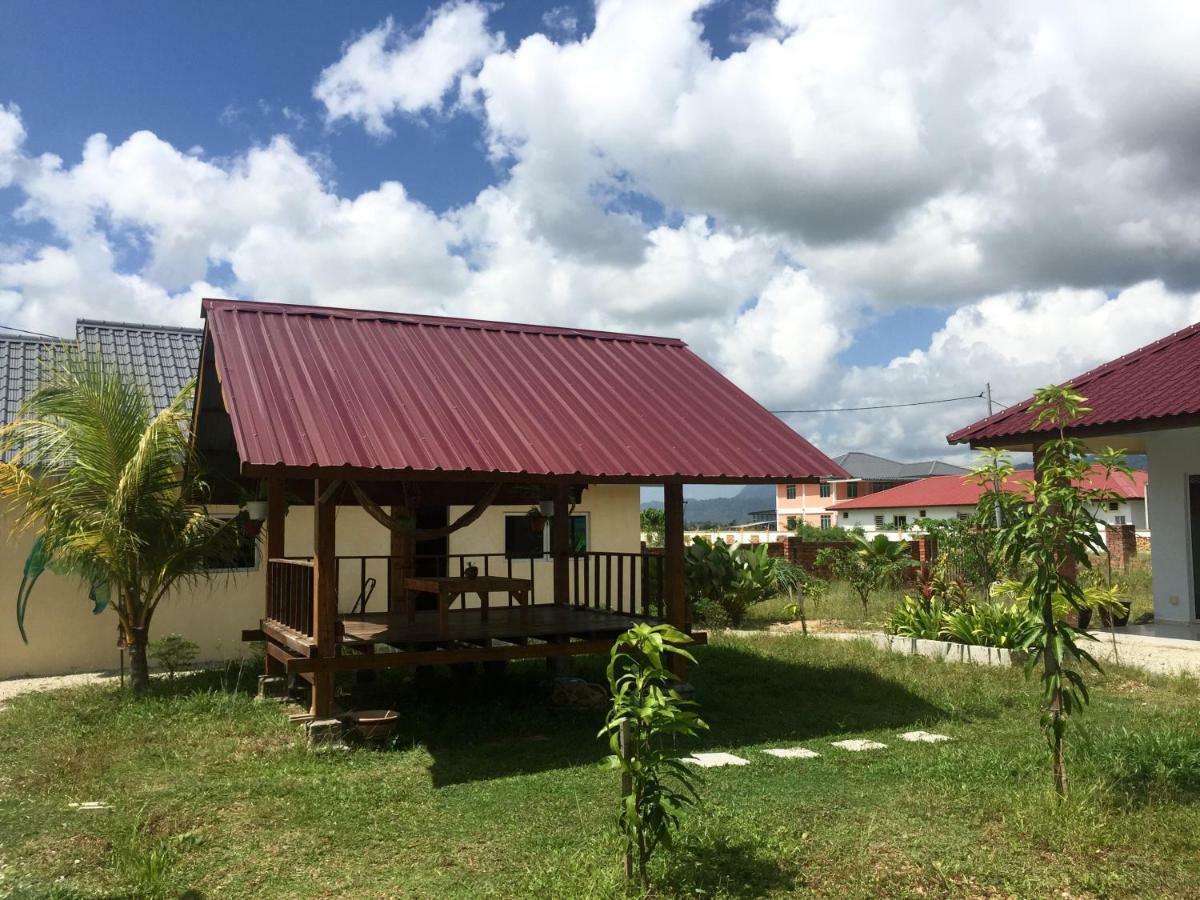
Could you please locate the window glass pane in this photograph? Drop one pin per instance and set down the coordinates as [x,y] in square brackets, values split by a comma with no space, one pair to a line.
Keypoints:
[520,540]
[579,534]
[791,492]
[825,521]
[852,489]
[825,489]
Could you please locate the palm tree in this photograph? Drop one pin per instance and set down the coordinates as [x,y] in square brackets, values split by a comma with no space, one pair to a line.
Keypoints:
[889,560]
[109,486]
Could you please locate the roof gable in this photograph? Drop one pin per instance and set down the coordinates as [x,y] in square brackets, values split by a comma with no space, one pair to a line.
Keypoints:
[1151,387]
[316,387]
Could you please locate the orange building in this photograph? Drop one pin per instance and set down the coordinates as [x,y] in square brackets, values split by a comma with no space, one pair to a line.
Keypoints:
[809,503]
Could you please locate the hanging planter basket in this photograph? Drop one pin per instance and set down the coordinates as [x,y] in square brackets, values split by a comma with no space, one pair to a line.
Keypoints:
[537,521]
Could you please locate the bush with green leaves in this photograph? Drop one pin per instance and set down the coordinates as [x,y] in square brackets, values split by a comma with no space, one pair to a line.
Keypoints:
[654,526]
[173,652]
[733,578]
[867,566]
[1006,625]
[915,617]
[647,717]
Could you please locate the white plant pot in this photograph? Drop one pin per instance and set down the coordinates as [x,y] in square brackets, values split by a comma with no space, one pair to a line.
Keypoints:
[257,510]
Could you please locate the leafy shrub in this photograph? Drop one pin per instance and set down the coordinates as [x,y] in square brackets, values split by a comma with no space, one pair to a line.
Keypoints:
[1008,625]
[173,652]
[710,613]
[733,578]
[917,618]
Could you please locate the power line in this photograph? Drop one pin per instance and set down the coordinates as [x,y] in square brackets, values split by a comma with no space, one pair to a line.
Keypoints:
[40,334]
[786,412]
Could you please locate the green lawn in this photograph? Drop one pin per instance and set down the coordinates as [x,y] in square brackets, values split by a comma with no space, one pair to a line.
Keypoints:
[491,793]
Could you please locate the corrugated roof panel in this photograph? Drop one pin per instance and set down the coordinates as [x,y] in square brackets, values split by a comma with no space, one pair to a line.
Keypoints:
[316,386]
[1158,381]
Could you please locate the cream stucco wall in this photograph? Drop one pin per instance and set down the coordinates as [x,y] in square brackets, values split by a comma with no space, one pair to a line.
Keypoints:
[614,526]
[64,635]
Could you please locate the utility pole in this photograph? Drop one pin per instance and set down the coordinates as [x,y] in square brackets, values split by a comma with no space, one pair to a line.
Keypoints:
[995,479]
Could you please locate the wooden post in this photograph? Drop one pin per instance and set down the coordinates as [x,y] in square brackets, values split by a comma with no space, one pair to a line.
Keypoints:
[324,596]
[402,563]
[673,587]
[276,514]
[560,545]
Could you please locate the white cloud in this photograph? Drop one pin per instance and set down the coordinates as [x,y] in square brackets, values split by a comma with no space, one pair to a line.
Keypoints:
[12,136]
[1031,168]
[386,71]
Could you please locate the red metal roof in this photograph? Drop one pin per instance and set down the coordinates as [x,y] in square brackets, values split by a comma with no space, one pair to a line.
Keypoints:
[1148,387]
[955,490]
[309,386]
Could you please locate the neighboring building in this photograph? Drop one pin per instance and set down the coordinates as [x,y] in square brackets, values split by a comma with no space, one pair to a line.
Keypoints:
[866,474]
[1147,401]
[896,511]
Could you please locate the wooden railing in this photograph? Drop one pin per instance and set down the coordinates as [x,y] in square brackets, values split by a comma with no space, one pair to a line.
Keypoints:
[626,583]
[290,593]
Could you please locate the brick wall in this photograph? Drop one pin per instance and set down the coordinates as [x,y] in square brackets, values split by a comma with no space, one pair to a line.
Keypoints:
[1122,545]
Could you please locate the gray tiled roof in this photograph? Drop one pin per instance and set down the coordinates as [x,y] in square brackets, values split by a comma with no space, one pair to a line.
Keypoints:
[20,362]
[870,467]
[162,359]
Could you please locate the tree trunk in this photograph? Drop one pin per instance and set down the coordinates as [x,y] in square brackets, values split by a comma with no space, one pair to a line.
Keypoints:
[1055,708]
[139,668]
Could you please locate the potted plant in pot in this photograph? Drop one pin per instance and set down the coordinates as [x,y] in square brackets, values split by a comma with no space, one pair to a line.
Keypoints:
[537,519]
[254,505]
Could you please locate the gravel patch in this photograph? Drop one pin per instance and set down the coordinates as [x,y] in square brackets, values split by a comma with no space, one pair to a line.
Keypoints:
[14,687]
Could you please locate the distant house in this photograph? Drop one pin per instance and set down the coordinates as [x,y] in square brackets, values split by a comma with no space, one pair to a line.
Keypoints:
[867,474]
[896,511]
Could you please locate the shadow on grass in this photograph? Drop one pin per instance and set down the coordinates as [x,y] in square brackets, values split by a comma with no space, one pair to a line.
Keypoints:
[724,868]
[233,677]
[480,727]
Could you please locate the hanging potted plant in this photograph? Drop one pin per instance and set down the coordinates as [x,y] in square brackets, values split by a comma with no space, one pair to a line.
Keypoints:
[254,505]
[537,520]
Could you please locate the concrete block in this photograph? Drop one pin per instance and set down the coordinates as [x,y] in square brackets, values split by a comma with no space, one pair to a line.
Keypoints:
[272,687]
[325,734]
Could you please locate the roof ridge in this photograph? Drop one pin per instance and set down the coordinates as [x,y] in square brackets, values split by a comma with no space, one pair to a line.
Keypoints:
[135,326]
[302,309]
[31,339]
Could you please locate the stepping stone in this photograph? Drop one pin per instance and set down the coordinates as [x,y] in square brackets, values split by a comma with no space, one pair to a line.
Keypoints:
[792,753]
[857,745]
[715,760]
[923,737]
[91,806]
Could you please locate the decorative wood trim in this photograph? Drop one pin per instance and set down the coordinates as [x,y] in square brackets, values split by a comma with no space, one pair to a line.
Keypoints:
[425,534]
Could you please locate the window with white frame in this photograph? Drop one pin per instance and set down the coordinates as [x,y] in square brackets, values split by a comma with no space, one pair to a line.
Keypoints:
[879,523]
[522,541]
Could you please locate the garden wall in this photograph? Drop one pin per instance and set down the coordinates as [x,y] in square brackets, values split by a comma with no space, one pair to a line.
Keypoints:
[804,554]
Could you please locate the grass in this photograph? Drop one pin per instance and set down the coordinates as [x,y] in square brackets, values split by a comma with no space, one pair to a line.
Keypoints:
[490,792]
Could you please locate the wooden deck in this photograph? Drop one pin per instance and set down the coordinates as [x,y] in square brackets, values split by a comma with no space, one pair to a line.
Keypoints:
[386,640]
[468,626]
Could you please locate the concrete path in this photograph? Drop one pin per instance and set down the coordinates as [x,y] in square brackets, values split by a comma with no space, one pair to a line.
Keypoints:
[14,687]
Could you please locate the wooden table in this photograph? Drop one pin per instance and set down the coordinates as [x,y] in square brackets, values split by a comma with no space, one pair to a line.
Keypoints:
[447,590]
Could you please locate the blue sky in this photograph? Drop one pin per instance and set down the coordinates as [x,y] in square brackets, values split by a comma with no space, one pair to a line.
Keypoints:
[837,204]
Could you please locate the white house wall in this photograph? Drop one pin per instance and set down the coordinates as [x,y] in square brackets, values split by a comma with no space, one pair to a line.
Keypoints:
[1173,457]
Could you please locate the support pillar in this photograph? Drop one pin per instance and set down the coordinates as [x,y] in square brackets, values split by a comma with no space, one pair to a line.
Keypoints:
[324,595]
[276,516]
[674,590]
[560,545]
[402,563]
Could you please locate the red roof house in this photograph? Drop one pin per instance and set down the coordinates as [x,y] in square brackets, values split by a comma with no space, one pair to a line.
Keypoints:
[955,490]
